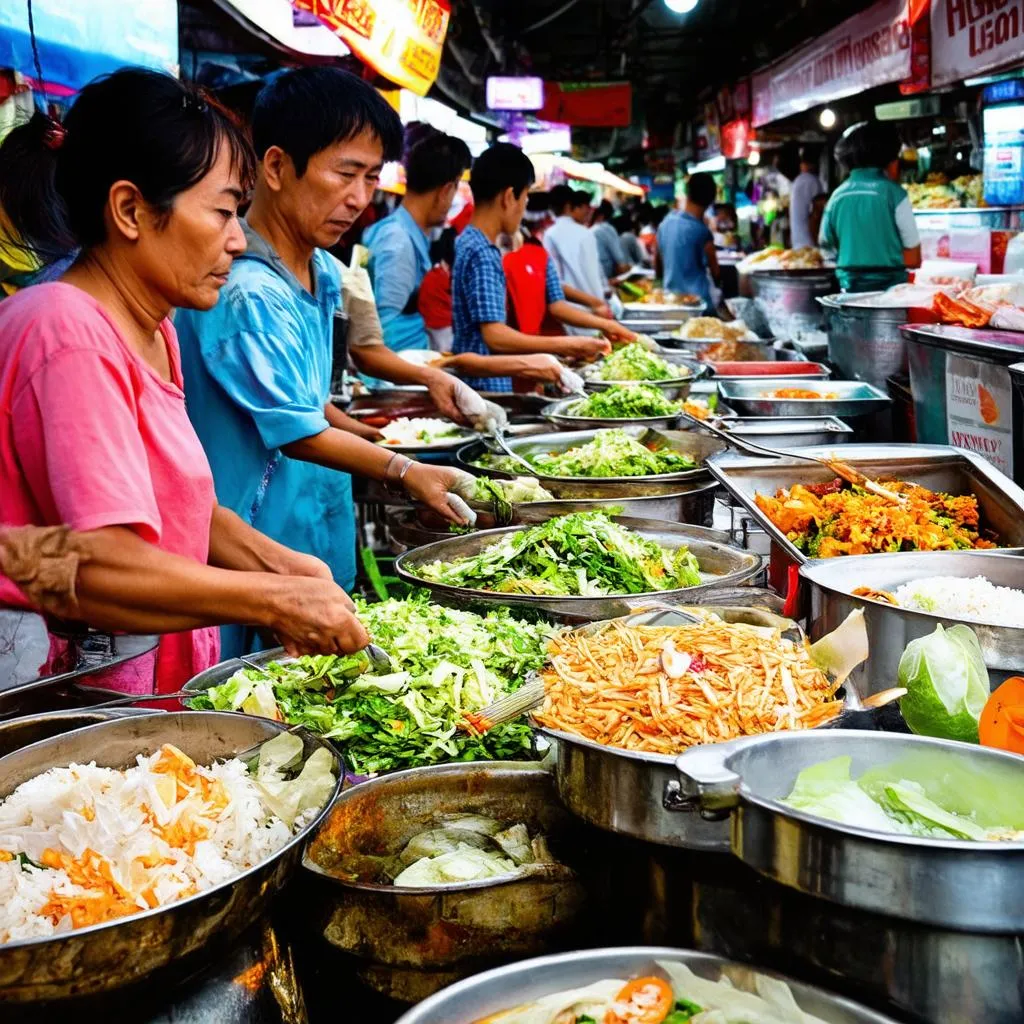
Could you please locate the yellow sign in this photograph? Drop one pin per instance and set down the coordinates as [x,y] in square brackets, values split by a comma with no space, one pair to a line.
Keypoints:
[400,39]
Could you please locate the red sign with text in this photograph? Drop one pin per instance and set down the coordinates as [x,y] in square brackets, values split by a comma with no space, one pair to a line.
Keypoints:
[970,37]
[587,105]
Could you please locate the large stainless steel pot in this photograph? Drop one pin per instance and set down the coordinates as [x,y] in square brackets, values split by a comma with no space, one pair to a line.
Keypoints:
[411,528]
[889,628]
[441,928]
[788,300]
[970,886]
[633,793]
[478,997]
[700,447]
[107,956]
[864,342]
[723,564]
[16,733]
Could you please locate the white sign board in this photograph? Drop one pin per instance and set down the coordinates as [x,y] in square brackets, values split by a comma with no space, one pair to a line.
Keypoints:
[869,49]
[979,409]
[970,37]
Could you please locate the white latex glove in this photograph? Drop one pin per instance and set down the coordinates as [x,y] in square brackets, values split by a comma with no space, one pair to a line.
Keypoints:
[463,484]
[571,382]
[485,416]
[458,505]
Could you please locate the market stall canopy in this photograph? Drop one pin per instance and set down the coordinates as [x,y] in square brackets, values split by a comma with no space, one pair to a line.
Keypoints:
[73,49]
[545,163]
[282,26]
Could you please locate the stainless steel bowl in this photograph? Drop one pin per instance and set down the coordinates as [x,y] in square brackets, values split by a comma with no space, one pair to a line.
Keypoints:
[561,414]
[450,927]
[489,993]
[725,566]
[969,886]
[864,342]
[107,956]
[889,628]
[689,370]
[700,447]
[853,398]
[16,733]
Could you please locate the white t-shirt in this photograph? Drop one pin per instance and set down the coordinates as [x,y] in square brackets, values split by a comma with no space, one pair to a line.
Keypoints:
[574,250]
[805,188]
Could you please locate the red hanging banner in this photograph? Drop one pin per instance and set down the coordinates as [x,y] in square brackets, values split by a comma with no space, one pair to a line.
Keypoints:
[588,105]
[400,39]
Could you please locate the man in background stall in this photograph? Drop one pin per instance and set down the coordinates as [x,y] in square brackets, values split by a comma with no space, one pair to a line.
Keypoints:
[686,247]
[609,249]
[806,186]
[400,244]
[572,247]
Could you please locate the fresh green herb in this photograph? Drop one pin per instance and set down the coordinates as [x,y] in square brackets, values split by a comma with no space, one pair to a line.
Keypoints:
[683,1012]
[634,362]
[610,453]
[582,554]
[447,662]
[27,862]
[625,402]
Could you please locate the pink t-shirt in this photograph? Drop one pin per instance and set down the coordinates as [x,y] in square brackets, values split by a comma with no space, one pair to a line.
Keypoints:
[91,436]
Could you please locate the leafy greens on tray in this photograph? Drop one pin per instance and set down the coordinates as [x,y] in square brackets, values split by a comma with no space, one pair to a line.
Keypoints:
[584,554]
[634,362]
[447,662]
[610,453]
[624,402]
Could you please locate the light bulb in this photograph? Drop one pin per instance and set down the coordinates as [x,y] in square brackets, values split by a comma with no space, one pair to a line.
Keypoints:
[754,158]
[827,118]
[681,6]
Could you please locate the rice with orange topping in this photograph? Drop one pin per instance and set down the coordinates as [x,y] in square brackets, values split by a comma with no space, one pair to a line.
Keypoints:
[82,845]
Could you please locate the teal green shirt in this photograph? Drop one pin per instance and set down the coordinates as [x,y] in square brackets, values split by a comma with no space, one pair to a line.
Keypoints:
[868,222]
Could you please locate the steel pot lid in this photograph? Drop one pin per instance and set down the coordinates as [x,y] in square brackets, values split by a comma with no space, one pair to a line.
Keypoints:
[947,883]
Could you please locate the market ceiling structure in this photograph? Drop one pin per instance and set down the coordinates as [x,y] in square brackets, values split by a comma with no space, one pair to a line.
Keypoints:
[670,59]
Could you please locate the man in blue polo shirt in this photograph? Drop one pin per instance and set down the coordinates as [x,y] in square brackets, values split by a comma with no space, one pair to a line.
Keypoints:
[399,244]
[258,365]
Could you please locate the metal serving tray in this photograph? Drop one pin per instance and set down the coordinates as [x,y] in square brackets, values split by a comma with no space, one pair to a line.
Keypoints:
[699,446]
[678,387]
[783,432]
[721,565]
[855,398]
[938,467]
[768,370]
[560,413]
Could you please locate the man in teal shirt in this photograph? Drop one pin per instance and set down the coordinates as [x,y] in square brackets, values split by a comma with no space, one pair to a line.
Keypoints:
[258,365]
[869,222]
[399,244]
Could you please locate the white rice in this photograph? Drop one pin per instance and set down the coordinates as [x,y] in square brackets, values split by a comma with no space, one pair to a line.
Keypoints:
[954,597]
[82,807]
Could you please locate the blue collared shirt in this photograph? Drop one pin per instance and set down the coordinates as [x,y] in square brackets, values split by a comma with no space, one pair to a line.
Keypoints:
[478,297]
[399,259]
[257,371]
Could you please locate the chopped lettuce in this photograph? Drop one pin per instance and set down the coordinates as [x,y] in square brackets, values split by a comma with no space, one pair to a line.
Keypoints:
[634,362]
[624,402]
[609,453]
[463,864]
[448,662]
[582,554]
[308,791]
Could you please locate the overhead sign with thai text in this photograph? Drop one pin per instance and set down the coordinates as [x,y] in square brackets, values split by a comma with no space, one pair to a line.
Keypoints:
[970,37]
[869,49]
[400,39]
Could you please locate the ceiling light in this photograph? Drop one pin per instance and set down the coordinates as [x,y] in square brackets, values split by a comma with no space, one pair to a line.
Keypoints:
[681,6]
[827,118]
[939,129]
[754,158]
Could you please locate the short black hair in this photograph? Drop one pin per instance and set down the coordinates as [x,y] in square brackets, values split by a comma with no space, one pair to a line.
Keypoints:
[701,189]
[559,198]
[808,155]
[306,110]
[868,144]
[580,198]
[435,161]
[605,210]
[497,168]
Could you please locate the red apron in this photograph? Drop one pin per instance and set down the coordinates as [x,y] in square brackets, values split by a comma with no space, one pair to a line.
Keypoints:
[526,273]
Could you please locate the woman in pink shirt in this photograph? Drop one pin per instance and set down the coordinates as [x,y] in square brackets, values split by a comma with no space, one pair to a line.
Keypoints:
[144,179]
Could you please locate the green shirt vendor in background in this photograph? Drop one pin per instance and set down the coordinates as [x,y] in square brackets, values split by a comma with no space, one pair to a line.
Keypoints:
[869,222]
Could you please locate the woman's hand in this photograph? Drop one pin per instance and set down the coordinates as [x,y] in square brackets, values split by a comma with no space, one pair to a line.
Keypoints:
[431,485]
[614,331]
[315,616]
[296,563]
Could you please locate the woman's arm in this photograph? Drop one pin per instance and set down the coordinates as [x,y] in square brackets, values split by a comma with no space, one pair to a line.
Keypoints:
[126,583]
[536,367]
[234,544]
[567,313]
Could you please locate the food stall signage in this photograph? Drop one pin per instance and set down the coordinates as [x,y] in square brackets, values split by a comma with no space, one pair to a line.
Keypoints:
[869,49]
[979,409]
[973,36]
[588,104]
[400,39]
